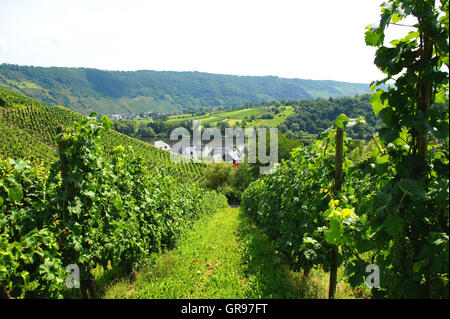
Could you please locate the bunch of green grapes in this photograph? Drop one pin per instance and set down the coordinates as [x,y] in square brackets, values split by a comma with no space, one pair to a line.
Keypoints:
[402,255]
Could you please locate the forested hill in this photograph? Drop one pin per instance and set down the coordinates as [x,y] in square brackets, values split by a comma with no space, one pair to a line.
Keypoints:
[107,92]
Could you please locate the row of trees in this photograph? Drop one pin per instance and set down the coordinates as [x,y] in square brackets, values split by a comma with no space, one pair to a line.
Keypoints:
[311,117]
[315,116]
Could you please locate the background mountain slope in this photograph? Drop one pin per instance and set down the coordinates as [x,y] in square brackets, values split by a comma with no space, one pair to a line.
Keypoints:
[107,92]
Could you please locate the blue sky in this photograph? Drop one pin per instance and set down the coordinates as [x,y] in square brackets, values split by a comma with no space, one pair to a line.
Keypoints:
[321,40]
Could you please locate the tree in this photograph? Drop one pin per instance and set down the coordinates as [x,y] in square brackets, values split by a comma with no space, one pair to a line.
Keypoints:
[146,132]
[285,146]
[126,127]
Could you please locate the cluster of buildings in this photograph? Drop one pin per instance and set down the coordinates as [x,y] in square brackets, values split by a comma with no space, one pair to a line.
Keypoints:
[142,115]
[218,153]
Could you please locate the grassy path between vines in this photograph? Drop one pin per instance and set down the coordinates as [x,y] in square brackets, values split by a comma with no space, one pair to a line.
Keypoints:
[223,256]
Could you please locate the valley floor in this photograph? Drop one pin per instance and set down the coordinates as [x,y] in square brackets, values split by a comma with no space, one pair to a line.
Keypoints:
[224,256]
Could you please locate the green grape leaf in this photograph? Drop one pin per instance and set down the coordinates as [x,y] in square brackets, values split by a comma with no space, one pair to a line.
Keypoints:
[333,233]
[414,188]
[419,264]
[15,194]
[89,194]
[374,36]
[107,123]
[376,102]
[342,120]
[393,224]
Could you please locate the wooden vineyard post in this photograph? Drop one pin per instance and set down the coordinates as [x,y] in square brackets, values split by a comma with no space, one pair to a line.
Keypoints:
[4,293]
[337,187]
[88,289]
[338,159]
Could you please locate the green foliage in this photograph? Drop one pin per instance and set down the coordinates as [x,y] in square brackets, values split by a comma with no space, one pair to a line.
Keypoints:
[410,226]
[9,99]
[30,261]
[304,119]
[285,146]
[90,211]
[315,116]
[294,206]
[127,127]
[393,210]
[360,150]
[28,131]
[228,180]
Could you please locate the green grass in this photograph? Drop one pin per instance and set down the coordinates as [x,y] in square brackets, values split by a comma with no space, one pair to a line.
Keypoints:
[277,120]
[224,256]
[216,116]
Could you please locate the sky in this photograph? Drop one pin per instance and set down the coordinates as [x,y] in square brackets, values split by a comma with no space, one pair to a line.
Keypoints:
[308,39]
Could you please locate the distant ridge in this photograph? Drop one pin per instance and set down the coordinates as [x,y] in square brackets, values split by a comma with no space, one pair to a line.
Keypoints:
[107,92]
[28,130]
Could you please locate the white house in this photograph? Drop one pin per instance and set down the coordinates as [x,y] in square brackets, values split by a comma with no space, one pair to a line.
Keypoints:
[225,153]
[191,152]
[115,117]
[161,144]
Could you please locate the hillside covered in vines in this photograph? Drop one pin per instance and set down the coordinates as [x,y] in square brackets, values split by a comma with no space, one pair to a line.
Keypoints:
[29,129]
